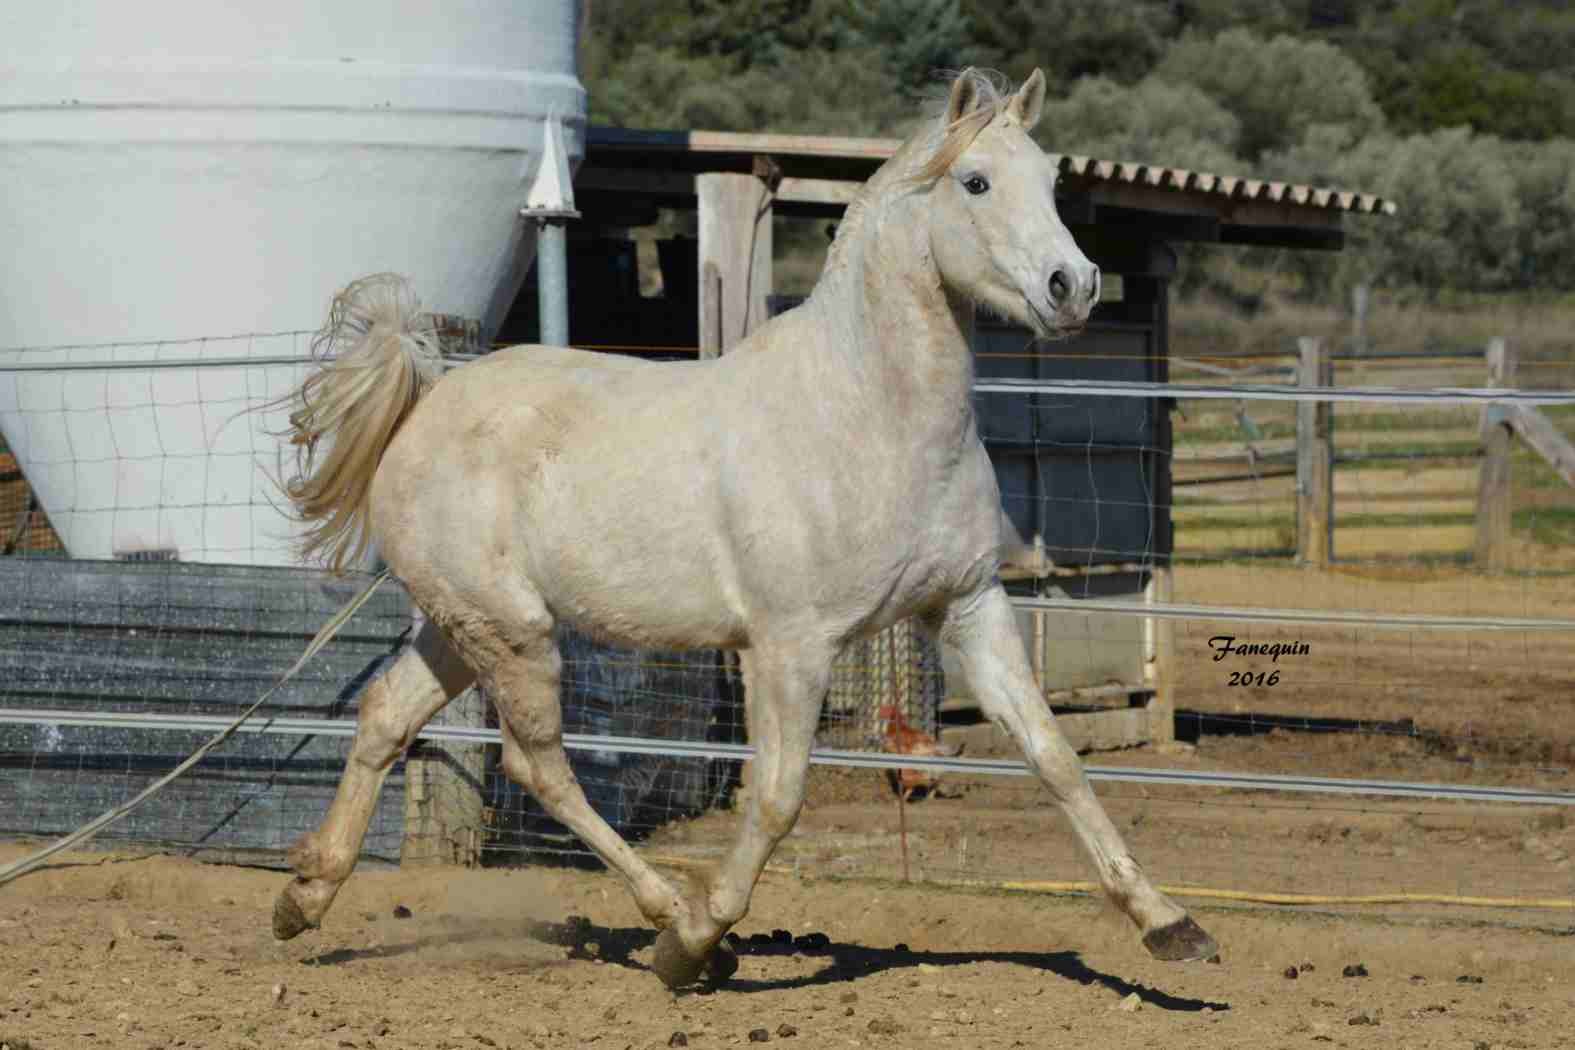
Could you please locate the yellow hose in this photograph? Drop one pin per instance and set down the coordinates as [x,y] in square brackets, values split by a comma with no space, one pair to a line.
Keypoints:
[1204,892]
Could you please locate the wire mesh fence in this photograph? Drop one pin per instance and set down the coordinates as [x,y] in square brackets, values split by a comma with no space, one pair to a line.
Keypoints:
[1094,521]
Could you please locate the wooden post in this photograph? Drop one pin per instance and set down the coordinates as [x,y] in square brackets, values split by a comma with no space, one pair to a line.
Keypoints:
[710,310]
[734,283]
[1159,664]
[1314,459]
[1359,297]
[1493,493]
[444,783]
[735,238]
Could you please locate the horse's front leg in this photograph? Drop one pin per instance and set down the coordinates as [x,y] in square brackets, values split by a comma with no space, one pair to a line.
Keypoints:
[785,687]
[984,632]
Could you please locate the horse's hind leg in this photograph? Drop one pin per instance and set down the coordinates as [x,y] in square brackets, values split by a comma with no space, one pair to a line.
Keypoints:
[522,680]
[392,711]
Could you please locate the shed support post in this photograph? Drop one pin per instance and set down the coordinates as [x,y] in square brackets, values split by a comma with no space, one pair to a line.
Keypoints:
[1159,664]
[734,283]
[735,239]
[445,800]
[1493,490]
[1314,459]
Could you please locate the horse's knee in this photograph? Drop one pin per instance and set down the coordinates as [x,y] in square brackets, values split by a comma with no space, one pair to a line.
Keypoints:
[777,809]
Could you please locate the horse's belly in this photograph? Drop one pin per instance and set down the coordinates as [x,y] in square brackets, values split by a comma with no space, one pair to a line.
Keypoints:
[642,576]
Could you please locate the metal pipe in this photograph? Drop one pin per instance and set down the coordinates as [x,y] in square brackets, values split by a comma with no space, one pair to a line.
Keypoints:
[819,756]
[552,283]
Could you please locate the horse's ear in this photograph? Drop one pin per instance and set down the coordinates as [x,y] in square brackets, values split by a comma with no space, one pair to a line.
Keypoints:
[965,96]
[1029,102]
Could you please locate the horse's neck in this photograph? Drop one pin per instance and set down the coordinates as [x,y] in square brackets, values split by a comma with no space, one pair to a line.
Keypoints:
[903,341]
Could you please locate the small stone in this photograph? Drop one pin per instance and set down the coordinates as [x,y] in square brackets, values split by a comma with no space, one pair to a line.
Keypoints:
[483,1040]
[1363,1018]
[276,993]
[759,1035]
[1131,1004]
[1354,970]
[1291,973]
[786,1031]
[186,986]
[884,1026]
[1308,967]
[402,912]
[678,1039]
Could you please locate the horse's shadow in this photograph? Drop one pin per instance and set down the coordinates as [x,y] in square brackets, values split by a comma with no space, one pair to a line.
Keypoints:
[841,961]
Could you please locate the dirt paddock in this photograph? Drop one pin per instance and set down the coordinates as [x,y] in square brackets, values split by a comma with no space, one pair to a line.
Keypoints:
[167,952]
[161,952]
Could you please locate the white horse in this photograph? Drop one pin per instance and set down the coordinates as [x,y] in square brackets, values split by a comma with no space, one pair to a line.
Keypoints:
[823,481]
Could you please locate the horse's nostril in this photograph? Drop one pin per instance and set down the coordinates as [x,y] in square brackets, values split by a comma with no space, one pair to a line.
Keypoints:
[1060,287]
[1093,284]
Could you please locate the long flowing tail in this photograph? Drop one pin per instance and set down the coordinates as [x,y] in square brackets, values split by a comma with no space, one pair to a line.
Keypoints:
[379,354]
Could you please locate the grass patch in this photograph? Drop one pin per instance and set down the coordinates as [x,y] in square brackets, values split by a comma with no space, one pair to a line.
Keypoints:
[1554,526]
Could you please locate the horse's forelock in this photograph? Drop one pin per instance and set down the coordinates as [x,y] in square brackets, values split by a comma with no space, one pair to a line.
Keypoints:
[992,91]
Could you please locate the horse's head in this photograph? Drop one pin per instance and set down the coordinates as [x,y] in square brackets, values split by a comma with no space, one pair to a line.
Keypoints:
[994,229]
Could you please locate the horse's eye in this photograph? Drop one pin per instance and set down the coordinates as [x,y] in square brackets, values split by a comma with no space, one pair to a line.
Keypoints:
[976,184]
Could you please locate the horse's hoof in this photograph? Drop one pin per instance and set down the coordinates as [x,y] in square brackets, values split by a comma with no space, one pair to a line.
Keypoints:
[288,918]
[676,967]
[1181,941]
[722,964]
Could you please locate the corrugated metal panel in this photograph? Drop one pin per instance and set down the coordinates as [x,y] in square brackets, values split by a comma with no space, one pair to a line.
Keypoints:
[861,155]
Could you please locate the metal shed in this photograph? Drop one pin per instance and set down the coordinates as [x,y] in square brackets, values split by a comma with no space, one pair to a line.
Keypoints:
[1086,486]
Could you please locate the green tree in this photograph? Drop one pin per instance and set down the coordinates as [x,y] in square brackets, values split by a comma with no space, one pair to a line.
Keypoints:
[1544,175]
[1150,122]
[1277,88]
[1070,39]
[1461,220]
[915,38]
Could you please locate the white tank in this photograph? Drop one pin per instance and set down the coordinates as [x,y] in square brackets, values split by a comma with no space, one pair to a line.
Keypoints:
[178,171]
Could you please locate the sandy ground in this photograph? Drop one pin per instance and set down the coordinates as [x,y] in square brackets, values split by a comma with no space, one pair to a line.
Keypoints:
[165,952]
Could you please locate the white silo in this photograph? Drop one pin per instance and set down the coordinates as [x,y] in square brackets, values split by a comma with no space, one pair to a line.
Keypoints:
[177,171]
